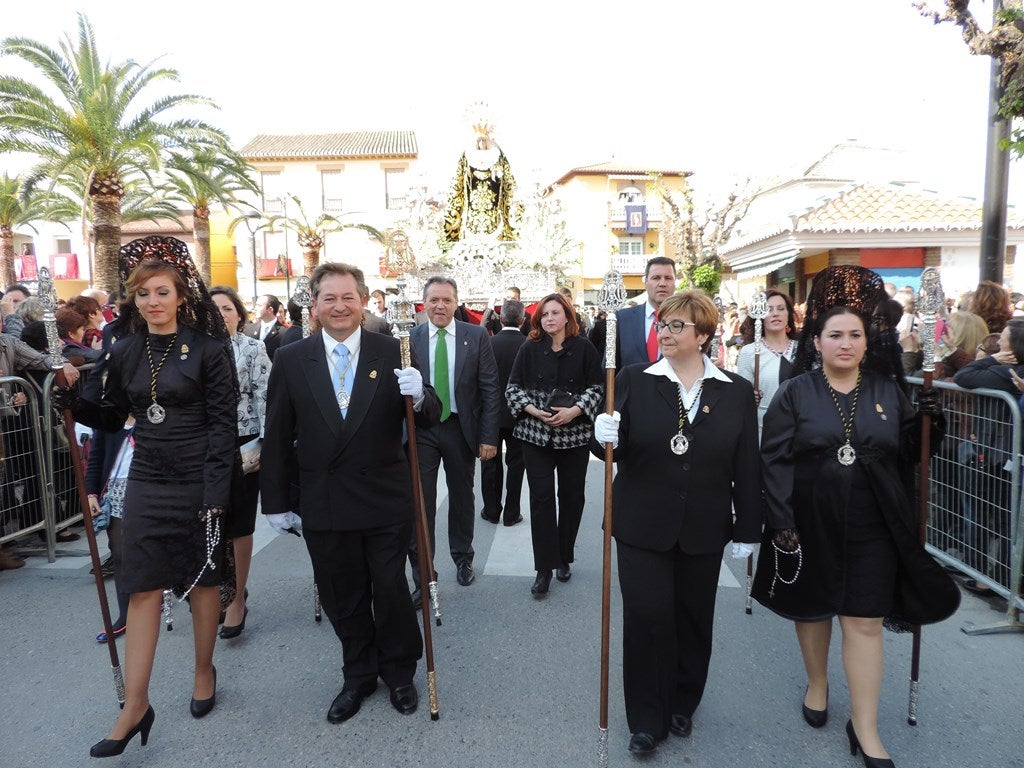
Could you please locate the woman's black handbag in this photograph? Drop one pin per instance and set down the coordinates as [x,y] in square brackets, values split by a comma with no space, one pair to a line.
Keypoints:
[558,398]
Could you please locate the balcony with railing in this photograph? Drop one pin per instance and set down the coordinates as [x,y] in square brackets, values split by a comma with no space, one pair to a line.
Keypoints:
[631,263]
[617,214]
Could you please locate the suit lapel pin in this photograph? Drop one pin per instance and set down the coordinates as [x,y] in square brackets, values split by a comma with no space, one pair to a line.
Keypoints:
[373,374]
[184,351]
[878,407]
[705,409]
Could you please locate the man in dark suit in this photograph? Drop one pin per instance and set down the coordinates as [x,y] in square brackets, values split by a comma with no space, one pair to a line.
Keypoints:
[266,327]
[637,341]
[337,396]
[506,344]
[492,317]
[458,361]
[372,322]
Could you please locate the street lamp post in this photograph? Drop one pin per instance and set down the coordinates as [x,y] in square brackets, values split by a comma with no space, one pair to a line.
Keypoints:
[251,223]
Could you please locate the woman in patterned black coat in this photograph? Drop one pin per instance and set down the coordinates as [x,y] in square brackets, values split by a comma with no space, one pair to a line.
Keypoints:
[554,393]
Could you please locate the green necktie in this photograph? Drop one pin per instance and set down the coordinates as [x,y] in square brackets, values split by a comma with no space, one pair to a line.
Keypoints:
[441,374]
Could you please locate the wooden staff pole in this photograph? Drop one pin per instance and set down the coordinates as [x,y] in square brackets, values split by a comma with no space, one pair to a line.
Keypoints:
[402,313]
[930,297]
[48,298]
[612,297]
[758,311]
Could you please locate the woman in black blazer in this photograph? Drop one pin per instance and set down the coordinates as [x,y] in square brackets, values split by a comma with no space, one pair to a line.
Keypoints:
[553,393]
[686,449]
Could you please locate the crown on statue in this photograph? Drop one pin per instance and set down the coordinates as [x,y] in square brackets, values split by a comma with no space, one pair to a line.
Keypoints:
[479,118]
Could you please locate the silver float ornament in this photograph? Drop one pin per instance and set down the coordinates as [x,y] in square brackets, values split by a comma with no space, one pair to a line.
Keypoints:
[303,298]
[48,300]
[758,312]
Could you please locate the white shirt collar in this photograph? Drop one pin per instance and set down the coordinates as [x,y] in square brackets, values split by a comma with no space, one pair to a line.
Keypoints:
[267,323]
[352,342]
[663,368]
[649,309]
[450,328]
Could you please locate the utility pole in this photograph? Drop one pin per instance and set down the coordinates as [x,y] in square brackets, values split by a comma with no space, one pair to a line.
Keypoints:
[997,172]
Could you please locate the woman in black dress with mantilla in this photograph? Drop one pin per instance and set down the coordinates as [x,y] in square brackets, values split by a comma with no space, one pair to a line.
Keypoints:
[838,448]
[171,369]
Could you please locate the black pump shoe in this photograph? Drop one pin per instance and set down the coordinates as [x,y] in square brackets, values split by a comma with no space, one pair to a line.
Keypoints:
[563,572]
[869,762]
[112,747]
[816,718]
[227,633]
[202,707]
[541,584]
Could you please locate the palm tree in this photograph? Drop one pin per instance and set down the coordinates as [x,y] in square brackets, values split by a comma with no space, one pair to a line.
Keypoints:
[20,208]
[95,129]
[203,177]
[311,236]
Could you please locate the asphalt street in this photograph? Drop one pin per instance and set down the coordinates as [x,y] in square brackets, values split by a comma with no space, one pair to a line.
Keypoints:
[518,678]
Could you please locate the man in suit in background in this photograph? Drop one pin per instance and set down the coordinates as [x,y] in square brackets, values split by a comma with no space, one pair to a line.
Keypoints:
[372,322]
[336,399]
[506,344]
[458,361]
[492,318]
[637,340]
[266,327]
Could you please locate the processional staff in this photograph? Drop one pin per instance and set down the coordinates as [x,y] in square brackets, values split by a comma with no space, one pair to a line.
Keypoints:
[400,314]
[48,300]
[716,340]
[304,300]
[758,311]
[929,299]
[611,297]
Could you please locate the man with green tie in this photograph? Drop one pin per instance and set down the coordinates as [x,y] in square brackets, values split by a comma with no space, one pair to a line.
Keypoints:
[459,362]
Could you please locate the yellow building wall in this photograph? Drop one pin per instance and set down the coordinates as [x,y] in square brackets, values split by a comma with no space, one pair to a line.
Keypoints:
[223,259]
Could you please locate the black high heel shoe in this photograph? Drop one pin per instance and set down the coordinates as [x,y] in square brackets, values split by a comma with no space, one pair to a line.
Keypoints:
[869,762]
[202,707]
[112,747]
[816,718]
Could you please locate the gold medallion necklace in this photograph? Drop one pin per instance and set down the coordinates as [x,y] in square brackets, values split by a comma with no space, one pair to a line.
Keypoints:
[845,454]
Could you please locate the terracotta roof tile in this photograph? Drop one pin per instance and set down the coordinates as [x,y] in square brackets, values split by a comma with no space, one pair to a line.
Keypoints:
[349,145]
[893,208]
[613,168]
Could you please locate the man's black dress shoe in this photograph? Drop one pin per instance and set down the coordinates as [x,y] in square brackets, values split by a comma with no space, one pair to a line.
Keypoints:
[641,743]
[465,574]
[509,523]
[562,573]
[541,584]
[417,598]
[681,725]
[202,707]
[404,698]
[488,518]
[347,703]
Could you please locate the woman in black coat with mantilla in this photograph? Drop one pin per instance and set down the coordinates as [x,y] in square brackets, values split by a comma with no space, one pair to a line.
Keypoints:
[838,448]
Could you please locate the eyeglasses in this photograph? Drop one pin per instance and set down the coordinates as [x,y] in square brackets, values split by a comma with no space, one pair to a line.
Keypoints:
[674,326]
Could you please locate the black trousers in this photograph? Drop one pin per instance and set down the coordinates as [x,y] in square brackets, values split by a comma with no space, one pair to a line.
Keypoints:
[491,479]
[554,533]
[668,611]
[446,443]
[361,579]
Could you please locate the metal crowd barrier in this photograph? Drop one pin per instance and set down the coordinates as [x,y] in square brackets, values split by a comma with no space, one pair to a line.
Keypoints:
[38,490]
[25,502]
[974,504]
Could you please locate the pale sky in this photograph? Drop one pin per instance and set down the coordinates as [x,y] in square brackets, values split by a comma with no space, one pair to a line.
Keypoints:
[724,89]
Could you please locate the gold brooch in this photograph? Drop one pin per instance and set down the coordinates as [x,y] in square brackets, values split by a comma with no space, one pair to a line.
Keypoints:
[184,351]
[373,374]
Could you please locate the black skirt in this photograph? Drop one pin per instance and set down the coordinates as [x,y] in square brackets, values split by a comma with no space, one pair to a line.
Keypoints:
[871,555]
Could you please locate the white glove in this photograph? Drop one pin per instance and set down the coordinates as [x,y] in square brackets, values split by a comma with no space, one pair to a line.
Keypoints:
[741,551]
[606,428]
[410,382]
[286,522]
